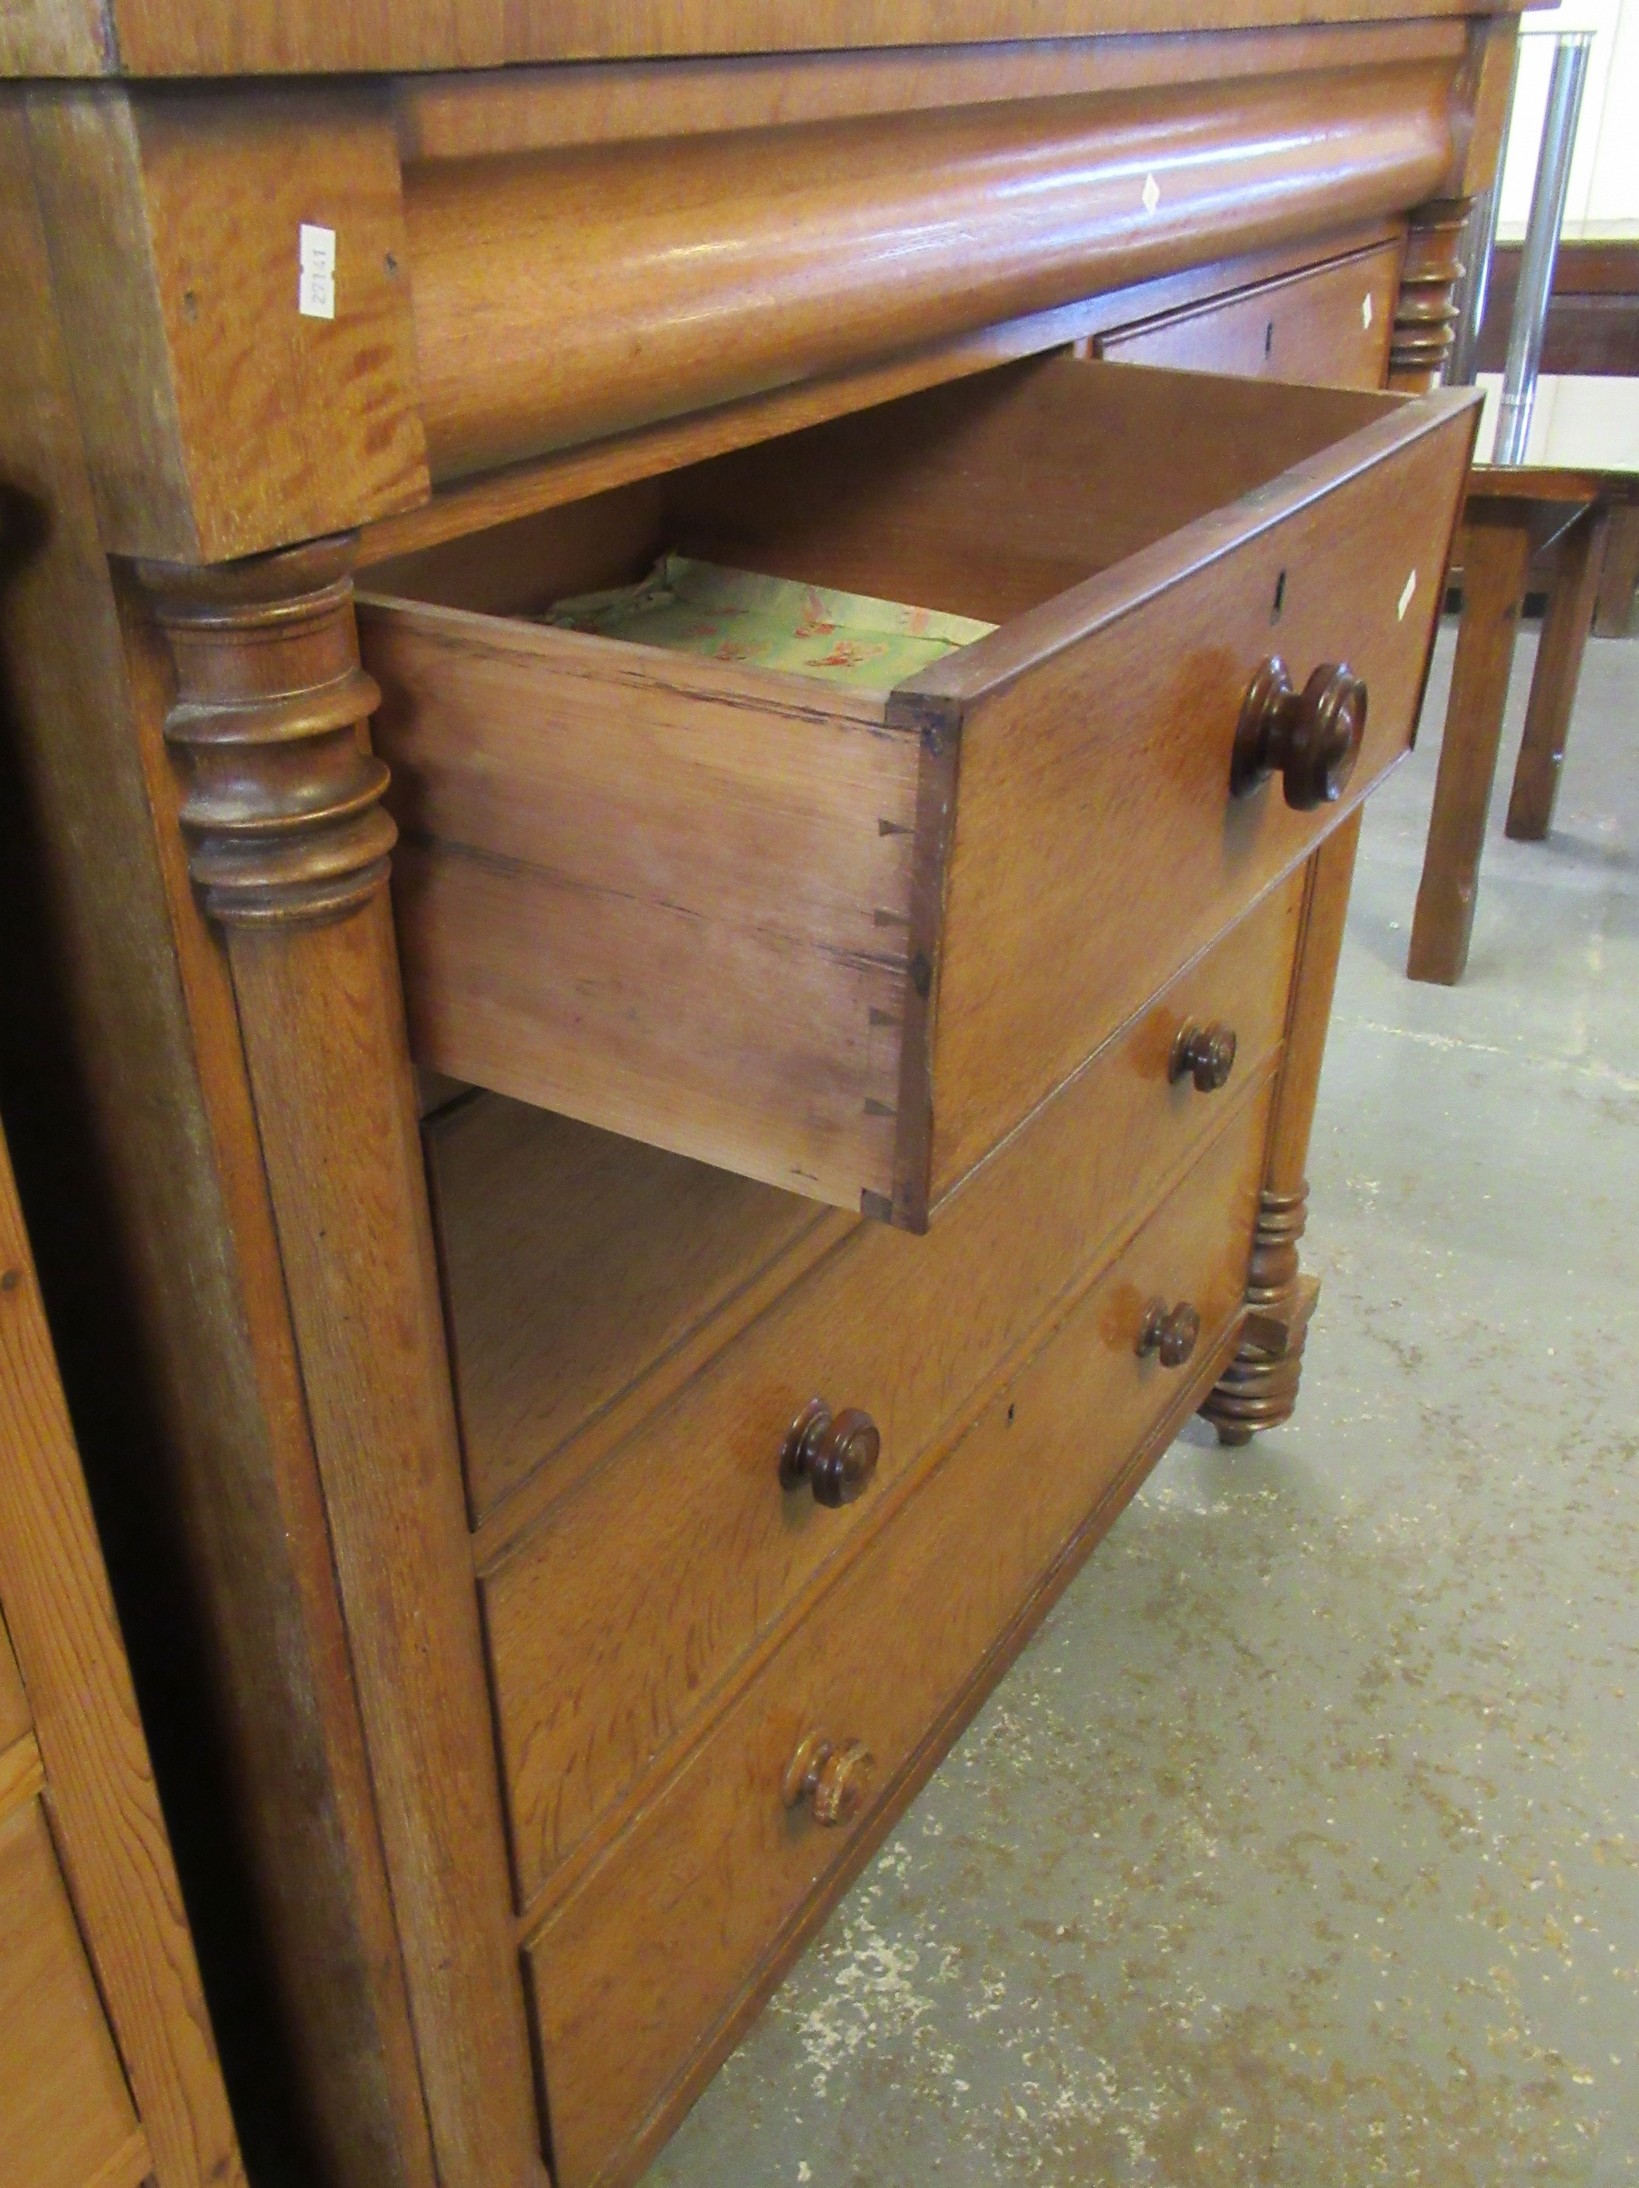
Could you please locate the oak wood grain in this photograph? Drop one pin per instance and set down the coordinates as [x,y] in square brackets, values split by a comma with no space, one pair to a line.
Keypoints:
[458,512]
[1427,309]
[584,1273]
[338,1125]
[1572,599]
[1481,103]
[231,37]
[288,847]
[176,218]
[338,1255]
[224,1459]
[55,38]
[14,1713]
[105,1809]
[742,835]
[720,1836]
[612,1623]
[615,856]
[532,110]
[1619,578]
[504,1306]
[1259,1387]
[1496,555]
[68,2116]
[996,495]
[1035,955]
[562,296]
[22,1773]
[1330,324]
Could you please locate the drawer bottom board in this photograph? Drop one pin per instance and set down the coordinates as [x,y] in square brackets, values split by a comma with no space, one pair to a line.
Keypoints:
[641,1977]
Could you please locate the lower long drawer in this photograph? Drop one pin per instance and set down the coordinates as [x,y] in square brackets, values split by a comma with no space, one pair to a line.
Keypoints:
[641,1967]
[614,1621]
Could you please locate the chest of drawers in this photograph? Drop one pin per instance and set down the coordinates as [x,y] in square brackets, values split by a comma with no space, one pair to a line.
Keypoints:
[108,2070]
[853,1128]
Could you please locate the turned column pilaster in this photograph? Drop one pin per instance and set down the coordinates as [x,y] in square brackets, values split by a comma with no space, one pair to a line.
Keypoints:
[1426,309]
[282,803]
[289,848]
[1259,1388]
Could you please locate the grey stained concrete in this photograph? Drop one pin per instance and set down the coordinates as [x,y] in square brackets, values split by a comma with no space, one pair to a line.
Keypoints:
[1302,1846]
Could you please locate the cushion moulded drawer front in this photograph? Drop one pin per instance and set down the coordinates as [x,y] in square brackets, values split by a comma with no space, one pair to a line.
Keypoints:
[613,1619]
[843,941]
[685,1916]
[1331,323]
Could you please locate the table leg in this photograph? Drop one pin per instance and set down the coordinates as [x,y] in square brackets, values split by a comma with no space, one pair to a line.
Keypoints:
[1565,627]
[1496,554]
[1613,617]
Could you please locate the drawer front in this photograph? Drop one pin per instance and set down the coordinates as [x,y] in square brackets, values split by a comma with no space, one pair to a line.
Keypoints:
[1331,324]
[65,2114]
[611,1624]
[1124,737]
[687,1910]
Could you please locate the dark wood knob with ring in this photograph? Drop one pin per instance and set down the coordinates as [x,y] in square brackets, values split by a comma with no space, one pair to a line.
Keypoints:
[1169,1332]
[835,1453]
[1204,1054]
[1313,736]
[832,1777]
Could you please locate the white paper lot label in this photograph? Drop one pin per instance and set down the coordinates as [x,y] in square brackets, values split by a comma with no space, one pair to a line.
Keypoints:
[316,289]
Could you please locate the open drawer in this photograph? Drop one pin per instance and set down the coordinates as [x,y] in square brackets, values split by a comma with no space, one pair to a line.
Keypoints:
[845,940]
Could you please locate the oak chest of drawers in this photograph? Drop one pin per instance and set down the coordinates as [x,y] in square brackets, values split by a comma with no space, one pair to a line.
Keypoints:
[108,2070]
[854,1128]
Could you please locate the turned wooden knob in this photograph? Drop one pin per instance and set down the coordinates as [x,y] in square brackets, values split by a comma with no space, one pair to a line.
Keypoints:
[835,1453]
[833,1779]
[1312,736]
[1205,1054]
[1169,1332]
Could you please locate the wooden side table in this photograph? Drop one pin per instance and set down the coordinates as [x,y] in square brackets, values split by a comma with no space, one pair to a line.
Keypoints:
[1580,472]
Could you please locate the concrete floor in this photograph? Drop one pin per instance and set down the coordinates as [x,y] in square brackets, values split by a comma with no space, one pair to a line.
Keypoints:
[1302,1847]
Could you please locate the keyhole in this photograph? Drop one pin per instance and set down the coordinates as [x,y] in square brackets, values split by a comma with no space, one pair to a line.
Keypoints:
[1269,339]
[1280,598]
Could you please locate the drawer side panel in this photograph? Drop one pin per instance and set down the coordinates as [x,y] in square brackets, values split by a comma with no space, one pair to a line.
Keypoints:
[645,892]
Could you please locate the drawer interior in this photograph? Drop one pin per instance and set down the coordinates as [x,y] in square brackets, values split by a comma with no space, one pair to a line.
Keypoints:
[982,498]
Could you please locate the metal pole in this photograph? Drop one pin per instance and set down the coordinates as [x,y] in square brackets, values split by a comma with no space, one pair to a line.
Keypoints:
[1479,248]
[1536,272]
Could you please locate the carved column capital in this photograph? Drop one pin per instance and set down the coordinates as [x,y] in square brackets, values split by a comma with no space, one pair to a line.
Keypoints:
[1425,313]
[283,807]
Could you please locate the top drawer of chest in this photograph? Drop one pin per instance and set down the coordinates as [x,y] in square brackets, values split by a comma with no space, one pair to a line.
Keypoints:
[847,940]
[1329,323]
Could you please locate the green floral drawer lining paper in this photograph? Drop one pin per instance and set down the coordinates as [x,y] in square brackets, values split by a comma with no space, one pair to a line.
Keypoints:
[772,622]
